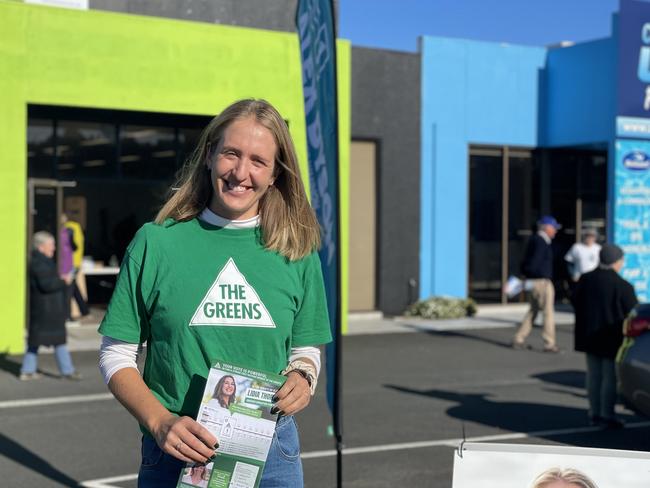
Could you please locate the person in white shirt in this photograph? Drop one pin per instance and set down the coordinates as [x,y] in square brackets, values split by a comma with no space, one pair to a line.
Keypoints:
[583,256]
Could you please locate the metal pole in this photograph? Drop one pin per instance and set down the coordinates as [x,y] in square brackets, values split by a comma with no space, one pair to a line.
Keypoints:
[339,342]
[505,219]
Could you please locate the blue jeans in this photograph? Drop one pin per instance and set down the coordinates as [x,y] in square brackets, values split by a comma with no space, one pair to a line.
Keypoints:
[61,353]
[601,386]
[283,467]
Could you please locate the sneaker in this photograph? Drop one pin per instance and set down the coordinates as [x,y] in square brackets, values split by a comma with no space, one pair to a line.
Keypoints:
[29,376]
[552,349]
[76,376]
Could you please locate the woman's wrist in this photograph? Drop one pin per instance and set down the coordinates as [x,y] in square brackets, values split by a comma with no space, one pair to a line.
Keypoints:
[306,369]
[154,423]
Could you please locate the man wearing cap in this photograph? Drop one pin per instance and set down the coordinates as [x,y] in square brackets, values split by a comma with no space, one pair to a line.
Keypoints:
[583,256]
[601,301]
[537,267]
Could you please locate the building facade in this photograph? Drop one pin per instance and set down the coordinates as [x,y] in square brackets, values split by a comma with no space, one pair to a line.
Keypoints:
[99,109]
[448,155]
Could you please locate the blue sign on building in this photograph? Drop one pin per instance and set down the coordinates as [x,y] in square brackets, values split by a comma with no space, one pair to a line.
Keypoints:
[633,112]
[632,218]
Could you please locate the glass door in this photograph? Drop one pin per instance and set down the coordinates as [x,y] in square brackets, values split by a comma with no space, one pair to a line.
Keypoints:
[45,198]
[522,209]
[503,208]
[485,224]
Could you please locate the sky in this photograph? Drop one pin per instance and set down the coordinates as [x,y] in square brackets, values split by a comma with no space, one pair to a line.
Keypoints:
[396,24]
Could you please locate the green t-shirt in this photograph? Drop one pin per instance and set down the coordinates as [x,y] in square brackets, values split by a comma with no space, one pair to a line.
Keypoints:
[196,293]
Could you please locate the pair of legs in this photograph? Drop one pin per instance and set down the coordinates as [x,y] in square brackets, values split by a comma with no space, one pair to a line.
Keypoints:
[61,353]
[601,387]
[542,298]
[73,291]
[283,467]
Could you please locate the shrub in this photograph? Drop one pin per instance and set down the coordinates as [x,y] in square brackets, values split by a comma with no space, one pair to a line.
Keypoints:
[442,308]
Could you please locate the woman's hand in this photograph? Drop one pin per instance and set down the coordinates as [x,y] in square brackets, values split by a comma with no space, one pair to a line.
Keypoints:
[185,439]
[293,396]
[181,437]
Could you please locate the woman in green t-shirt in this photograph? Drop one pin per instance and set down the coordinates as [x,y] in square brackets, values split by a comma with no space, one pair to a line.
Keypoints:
[239,213]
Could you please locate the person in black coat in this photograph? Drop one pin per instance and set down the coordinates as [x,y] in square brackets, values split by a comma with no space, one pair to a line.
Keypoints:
[602,300]
[47,310]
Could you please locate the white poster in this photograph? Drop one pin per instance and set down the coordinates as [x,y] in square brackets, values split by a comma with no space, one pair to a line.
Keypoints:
[525,466]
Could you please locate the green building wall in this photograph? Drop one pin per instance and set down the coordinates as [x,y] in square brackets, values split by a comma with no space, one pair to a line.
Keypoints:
[105,60]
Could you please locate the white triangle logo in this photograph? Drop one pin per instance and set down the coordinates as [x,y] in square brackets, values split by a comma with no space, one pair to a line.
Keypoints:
[232,302]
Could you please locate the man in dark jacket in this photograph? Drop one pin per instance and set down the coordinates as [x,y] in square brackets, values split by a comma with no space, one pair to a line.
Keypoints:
[537,267]
[602,300]
[47,310]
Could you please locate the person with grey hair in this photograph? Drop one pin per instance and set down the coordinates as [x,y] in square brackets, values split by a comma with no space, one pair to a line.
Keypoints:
[563,478]
[602,300]
[47,312]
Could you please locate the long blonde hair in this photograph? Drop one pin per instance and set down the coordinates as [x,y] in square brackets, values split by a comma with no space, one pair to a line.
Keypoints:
[287,221]
[569,475]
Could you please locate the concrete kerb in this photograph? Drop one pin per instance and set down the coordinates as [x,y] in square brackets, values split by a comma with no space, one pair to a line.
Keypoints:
[86,338]
[487,317]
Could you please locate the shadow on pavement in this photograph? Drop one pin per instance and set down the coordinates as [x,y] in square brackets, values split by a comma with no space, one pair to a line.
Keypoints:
[566,392]
[14,451]
[510,416]
[570,377]
[10,365]
[466,335]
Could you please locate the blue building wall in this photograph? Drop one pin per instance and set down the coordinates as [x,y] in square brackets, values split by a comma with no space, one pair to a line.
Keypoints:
[472,93]
[579,102]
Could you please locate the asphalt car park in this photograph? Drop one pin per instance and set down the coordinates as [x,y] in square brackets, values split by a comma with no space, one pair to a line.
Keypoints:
[408,400]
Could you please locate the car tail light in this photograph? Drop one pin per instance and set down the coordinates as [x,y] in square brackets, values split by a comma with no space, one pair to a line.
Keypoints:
[635,326]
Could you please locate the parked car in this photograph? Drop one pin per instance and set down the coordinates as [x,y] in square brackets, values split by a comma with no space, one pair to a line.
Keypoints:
[633,360]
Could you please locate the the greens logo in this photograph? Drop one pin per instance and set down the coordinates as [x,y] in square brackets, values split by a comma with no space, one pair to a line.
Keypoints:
[231,301]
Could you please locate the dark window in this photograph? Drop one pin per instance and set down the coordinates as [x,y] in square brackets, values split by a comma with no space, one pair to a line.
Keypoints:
[85,150]
[70,143]
[123,164]
[187,141]
[40,148]
[147,153]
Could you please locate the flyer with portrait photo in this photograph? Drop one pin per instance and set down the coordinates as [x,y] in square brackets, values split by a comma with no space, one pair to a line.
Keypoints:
[236,408]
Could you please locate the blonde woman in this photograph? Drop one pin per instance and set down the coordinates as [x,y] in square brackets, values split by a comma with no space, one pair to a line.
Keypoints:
[563,478]
[227,271]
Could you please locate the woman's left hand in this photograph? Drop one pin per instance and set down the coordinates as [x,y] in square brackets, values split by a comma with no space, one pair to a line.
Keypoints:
[293,396]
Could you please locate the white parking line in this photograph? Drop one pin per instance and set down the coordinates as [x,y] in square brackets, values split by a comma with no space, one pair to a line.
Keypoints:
[37,402]
[105,482]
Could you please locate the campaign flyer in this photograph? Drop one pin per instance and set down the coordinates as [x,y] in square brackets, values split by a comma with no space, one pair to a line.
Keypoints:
[236,408]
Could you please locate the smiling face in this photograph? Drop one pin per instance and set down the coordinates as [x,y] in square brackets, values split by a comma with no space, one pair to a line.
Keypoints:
[242,170]
[228,387]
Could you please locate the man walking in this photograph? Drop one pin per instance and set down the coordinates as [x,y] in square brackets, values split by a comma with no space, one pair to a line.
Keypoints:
[602,300]
[537,267]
